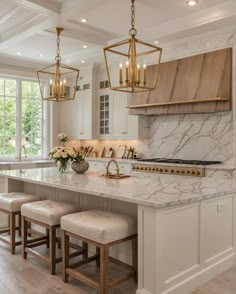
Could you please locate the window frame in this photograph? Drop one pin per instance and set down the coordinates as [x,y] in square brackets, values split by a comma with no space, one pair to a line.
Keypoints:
[44,119]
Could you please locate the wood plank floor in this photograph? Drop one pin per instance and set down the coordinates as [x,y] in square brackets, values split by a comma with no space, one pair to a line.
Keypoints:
[30,276]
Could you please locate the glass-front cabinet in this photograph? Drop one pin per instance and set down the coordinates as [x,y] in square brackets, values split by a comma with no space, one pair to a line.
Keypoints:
[104,114]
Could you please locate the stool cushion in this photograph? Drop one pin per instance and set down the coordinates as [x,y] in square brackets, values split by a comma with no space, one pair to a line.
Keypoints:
[47,211]
[12,201]
[100,226]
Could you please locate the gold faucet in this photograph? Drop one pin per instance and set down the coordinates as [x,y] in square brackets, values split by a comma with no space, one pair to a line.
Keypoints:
[108,174]
[20,152]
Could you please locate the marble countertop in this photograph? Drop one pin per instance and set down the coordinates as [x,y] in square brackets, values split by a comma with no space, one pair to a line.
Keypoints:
[157,191]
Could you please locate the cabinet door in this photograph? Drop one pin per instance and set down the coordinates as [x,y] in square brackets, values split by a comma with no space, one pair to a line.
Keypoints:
[125,125]
[76,116]
[218,227]
[105,115]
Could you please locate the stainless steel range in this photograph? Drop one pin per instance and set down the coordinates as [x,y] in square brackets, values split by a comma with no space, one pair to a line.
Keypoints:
[194,168]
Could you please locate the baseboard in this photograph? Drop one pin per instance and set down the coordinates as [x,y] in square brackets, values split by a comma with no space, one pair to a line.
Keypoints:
[200,278]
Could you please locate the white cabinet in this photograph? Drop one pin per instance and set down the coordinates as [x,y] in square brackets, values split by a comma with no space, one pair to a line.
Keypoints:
[78,117]
[125,126]
[182,248]
[98,112]
[114,121]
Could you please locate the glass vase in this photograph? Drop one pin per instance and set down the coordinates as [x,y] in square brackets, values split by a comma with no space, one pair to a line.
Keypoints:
[62,166]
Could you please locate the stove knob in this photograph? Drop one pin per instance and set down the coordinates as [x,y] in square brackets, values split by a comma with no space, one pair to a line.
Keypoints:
[183,171]
[172,171]
[145,168]
[150,168]
[141,168]
[193,172]
[166,170]
[137,167]
[177,171]
[153,169]
[198,173]
[161,170]
[188,172]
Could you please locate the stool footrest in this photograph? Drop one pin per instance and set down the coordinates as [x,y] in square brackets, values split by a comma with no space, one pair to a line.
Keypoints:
[82,278]
[37,244]
[36,254]
[121,263]
[84,261]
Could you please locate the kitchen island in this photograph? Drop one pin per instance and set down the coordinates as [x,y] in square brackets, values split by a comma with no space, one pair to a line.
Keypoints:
[186,225]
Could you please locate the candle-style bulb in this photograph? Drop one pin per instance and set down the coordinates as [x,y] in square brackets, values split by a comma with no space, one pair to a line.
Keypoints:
[144,74]
[127,73]
[50,87]
[120,75]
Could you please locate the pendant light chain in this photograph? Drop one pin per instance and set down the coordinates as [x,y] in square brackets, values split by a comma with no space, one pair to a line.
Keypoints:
[58,57]
[132,31]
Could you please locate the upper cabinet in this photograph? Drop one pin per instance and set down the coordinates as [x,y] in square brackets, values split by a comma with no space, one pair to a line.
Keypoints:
[97,112]
[78,117]
[200,83]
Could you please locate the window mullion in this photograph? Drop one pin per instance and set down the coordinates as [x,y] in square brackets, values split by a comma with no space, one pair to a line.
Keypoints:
[18,115]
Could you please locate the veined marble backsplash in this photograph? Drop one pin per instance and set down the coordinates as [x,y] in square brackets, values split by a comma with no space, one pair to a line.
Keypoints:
[189,136]
[192,136]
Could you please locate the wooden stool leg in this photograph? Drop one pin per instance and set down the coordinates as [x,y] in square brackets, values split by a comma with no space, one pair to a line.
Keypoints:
[12,232]
[98,259]
[47,233]
[104,260]
[8,220]
[19,223]
[29,227]
[24,236]
[52,249]
[134,256]
[85,247]
[65,255]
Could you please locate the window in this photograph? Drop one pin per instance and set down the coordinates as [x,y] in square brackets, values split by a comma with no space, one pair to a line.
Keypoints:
[21,111]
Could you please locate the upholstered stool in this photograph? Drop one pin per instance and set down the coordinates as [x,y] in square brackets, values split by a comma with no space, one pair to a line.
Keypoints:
[47,214]
[10,204]
[102,229]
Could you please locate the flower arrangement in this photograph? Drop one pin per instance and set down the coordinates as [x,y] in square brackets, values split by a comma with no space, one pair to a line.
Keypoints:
[62,156]
[62,137]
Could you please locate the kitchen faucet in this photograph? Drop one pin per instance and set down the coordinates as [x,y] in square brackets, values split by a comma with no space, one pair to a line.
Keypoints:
[107,175]
[22,147]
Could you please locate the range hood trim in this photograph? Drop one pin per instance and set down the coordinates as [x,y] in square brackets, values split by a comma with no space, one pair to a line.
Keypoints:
[178,102]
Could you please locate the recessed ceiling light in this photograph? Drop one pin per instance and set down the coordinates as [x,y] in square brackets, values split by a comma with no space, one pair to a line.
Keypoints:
[19,53]
[156,42]
[192,2]
[41,55]
[84,20]
[85,46]
[82,61]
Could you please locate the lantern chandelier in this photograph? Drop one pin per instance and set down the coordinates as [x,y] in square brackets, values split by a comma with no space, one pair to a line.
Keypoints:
[60,76]
[132,65]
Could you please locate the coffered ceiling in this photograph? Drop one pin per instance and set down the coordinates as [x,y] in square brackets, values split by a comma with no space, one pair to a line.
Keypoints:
[26,26]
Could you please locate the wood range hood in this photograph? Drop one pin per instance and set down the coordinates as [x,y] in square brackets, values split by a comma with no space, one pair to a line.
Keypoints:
[196,84]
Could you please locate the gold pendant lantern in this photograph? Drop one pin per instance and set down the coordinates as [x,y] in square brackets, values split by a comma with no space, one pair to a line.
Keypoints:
[132,65]
[62,79]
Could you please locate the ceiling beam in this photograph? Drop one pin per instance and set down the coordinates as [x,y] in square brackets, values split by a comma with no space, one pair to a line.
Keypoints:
[30,28]
[44,7]
[8,15]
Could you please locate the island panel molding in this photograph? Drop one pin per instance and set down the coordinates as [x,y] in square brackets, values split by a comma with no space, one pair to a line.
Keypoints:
[196,84]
